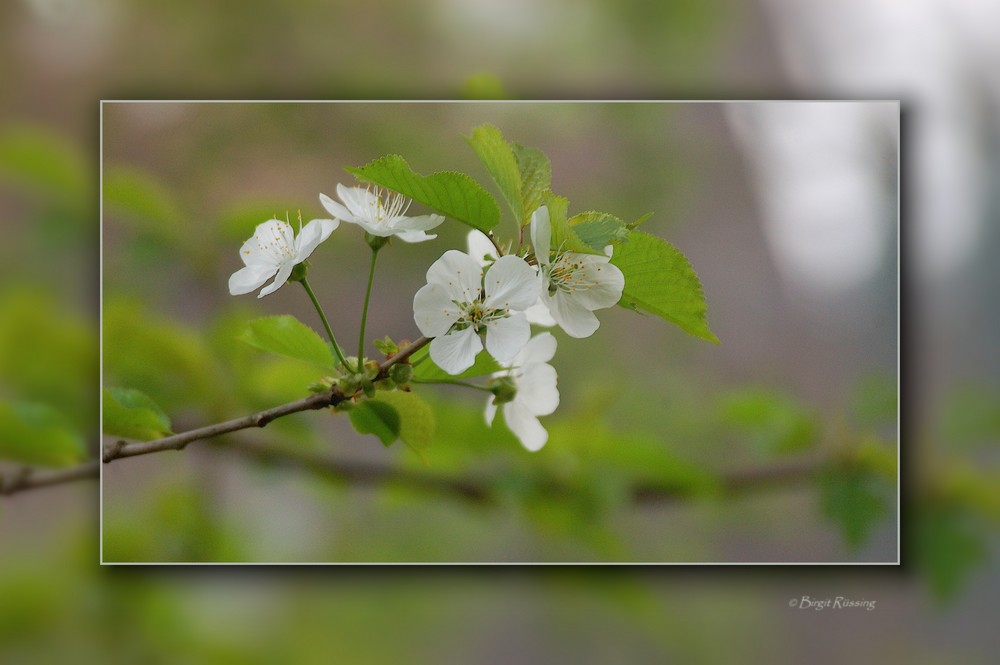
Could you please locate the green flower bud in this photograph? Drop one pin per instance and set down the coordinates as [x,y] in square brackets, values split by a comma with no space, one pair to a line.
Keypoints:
[346,405]
[321,386]
[368,387]
[401,373]
[503,389]
[299,271]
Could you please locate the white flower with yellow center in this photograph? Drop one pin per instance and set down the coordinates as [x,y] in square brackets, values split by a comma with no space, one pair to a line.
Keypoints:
[483,251]
[573,284]
[366,208]
[459,303]
[273,251]
[534,383]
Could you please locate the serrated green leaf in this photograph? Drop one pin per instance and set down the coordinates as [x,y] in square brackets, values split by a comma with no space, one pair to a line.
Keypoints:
[563,236]
[133,414]
[416,427]
[287,336]
[376,417]
[39,435]
[536,178]
[597,230]
[660,280]
[851,498]
[451,193]
[501,163]
[425,369]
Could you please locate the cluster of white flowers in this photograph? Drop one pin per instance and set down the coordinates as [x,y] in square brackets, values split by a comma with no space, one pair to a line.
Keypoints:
[468,296]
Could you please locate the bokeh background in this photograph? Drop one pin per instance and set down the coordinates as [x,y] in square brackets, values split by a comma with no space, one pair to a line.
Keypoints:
[61,57]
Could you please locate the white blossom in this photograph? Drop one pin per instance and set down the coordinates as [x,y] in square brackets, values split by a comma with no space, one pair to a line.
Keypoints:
[458,303]
[574,284]
[483,251]
[273,251]
[536,394]
[366,208]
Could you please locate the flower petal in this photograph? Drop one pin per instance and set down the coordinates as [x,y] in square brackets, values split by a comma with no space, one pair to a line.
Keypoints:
[605,283]
[414,236]
[541,234]
[362,203]
[311,235]
[458,273]
[456,351]
[511,284]
[507,336]
[525,426]
[538,315]
[420,223]
[540,349]
[536,389]
[337,210]
[433,310]
[491,411]
[572,317]
[284,270]
[273,241]
[480,247]
[250,278]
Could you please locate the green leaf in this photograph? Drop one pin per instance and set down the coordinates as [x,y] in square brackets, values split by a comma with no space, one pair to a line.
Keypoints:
[425,369]
[376,417]
[950,545]
[598,229]
[563,235]
[771,421]
[660,280]
[852,498]
[416,428]
[133,414]
[37,434]
[522,174]
[138,195]
[287,336]
[449,192]
[38,158]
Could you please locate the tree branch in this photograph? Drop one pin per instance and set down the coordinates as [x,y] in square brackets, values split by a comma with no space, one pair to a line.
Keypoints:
[30,478]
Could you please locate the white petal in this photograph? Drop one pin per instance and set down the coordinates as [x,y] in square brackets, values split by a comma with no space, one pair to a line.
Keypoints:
[433,310]
[525,426]
[491,411]
[511,284]
[250,278]
[272,243]
[458,273]
[538,314]
[337,210]
[283,272]
[414,236]
[311,235]
[507,336]
[541,234]
[574,318]
[420,223]
[540,349]
[361,202]
[536,389]
[606,283]
[457,351]
[480,247]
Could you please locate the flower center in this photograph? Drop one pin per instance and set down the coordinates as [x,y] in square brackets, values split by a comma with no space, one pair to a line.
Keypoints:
[395,205]
[274,243]
[566,274]
[477,316]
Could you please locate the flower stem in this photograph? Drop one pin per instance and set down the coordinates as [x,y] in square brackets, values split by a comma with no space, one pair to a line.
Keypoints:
[364,311]
[326,324]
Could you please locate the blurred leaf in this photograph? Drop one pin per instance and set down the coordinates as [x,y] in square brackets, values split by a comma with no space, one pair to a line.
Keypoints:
[133,414]
[483,86]
[39,435]
[239,222]
[854,500]
[36,157]
[424,367]
[289,337]
[416,427]
[376,417]
[137,194]
[660,280]
[598,229]
[949,547]
[449,192]
[972,417]
[771,421]
[875,401]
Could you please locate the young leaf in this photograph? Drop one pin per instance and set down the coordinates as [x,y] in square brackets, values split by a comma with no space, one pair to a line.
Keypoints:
[425,369]
[449,192]
[37,434]
[376,417]
[133,414]
[563,235]
[499,160]
[659,280]
[851,498]
[950,546]
[289,337]
[536,178]
[416,428]
[598,229]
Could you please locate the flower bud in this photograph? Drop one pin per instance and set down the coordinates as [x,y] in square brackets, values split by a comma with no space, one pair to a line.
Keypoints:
[503,390]
[401,373]
[368,387]
[321,386]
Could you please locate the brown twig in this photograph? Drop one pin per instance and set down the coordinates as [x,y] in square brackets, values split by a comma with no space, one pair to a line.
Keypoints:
[30,478]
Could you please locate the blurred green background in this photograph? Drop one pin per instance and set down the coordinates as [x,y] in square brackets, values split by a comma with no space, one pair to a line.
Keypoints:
[61,57]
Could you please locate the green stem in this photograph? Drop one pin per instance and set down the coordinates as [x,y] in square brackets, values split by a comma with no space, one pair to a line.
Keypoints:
[452,382]
[364,311]
[326,324]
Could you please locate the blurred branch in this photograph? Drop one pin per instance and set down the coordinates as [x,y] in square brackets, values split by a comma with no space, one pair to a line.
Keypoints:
[123,448]
[30,478]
